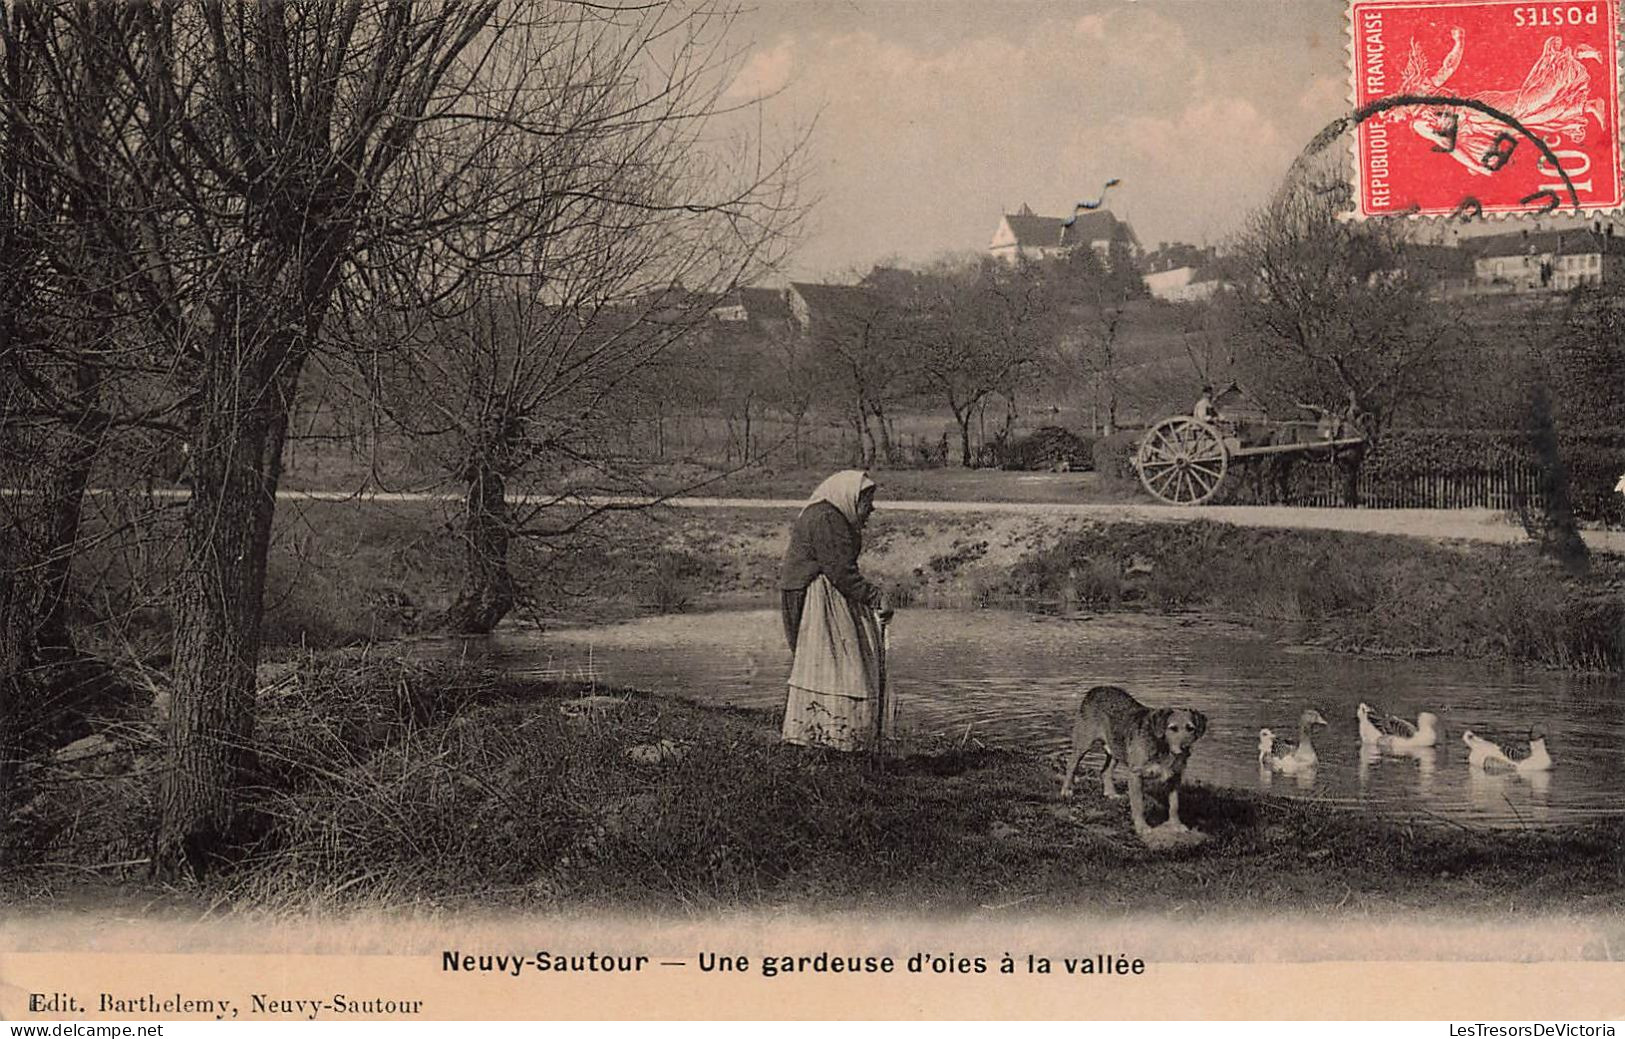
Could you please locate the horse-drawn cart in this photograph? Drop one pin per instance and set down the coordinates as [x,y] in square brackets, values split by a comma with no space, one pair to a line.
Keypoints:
[1184,460]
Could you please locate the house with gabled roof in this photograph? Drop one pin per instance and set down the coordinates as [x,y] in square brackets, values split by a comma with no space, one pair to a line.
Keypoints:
[815,307]
[756,310]
[1556,261]
[1025,234]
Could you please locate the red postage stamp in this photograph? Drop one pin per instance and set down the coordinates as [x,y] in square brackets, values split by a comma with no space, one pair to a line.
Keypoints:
[1468,107]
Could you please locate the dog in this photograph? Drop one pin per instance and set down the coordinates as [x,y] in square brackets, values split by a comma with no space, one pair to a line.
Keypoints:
[1153,745]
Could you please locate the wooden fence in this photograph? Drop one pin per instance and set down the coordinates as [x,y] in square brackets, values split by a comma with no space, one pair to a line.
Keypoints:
[1449,469]
[1508,486]
[1504,488]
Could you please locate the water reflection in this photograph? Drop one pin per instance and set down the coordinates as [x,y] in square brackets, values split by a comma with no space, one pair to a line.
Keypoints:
[1303,779]
[1526,797]
[1425,759]
[1014,679]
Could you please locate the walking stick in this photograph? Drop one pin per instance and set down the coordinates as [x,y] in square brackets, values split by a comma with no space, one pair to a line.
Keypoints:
[886,720]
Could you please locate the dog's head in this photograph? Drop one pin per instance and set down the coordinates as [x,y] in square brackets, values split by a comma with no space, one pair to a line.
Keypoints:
[1176,727]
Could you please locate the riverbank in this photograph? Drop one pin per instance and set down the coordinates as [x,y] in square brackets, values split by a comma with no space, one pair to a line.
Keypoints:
[391,786]
[346,574]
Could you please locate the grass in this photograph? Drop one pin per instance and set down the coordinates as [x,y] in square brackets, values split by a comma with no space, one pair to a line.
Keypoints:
[949,484]
[1357,592]
[349,574]
[389,784]
[353,573]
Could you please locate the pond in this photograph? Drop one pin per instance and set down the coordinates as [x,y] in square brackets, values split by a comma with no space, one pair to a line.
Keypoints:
[1013,679]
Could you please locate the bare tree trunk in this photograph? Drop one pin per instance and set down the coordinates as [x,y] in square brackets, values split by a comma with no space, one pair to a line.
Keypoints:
[1557,533]
[963,418]
[886,448]
[865,435]
[66,494]
[237,464]
[488,586]
[1349,462]
[15,705]
[798,445]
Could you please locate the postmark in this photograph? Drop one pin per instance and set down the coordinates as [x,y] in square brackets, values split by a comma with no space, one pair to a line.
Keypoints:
[1483,107]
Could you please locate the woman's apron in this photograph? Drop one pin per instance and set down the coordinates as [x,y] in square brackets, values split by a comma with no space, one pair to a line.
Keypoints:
[838,681]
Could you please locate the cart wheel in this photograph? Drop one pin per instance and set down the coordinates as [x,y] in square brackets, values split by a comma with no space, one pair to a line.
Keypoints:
[1182,461]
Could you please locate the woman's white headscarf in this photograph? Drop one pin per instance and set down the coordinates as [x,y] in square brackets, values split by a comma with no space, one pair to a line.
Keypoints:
[842,490]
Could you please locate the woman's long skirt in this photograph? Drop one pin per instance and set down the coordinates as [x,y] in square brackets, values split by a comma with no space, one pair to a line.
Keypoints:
[837,682]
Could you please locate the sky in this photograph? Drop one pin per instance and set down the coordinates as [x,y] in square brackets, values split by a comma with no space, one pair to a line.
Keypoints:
[931,118]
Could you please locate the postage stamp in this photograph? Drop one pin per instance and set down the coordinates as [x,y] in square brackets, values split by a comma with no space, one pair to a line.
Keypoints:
[1468,107]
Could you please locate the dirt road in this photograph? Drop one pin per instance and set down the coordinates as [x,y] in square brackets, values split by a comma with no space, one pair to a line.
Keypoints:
[1433,524]
[1486,525]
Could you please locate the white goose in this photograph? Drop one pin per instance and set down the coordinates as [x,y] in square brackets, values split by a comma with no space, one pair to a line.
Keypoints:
[1489,757]
[1387,732]
[1266,744]
[1293,758]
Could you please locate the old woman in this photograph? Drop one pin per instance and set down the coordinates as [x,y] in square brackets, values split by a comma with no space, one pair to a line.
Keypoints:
[833,620]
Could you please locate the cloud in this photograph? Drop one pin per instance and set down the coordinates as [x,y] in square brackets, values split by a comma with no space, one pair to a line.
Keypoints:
[1327,96]
[1198,171]
[925,135]
[767,72]
[1206,129]
[1091,26]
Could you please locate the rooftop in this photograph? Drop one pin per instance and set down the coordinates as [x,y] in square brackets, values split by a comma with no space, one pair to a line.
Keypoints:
[1098,225]
[1531,243]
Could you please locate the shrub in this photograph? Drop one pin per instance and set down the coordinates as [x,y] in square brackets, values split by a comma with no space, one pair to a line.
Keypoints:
[1357,590]
[1049,447]
[1114,459]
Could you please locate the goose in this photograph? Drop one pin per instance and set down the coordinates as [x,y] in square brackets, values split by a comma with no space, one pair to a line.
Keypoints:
[1266,743]
[1294,757]
[1390,733]
[1489,757]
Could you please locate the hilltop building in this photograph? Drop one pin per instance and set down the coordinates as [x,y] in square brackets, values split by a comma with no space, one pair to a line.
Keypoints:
[1026,235]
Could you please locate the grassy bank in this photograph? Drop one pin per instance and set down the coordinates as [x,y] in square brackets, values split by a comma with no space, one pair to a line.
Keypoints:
[391,785]
[347,573]
[1355,592]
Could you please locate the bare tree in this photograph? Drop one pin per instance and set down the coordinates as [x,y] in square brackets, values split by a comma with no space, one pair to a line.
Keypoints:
[1337,313]
[978,331]
[1335,316]
[73,371]
[234,166]
[522,364]
[1092,298]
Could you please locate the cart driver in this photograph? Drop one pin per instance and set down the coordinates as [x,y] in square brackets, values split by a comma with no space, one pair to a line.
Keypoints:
[1204,411]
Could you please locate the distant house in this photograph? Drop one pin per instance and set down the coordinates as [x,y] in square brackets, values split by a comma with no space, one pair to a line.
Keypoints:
[1442,270]
[815,307]
[1555,261]
[1236,405]
[1026,235]
[730,309]
[1189,284]
[754,310]
[1169,256]
[1439,262]
[1185,284]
